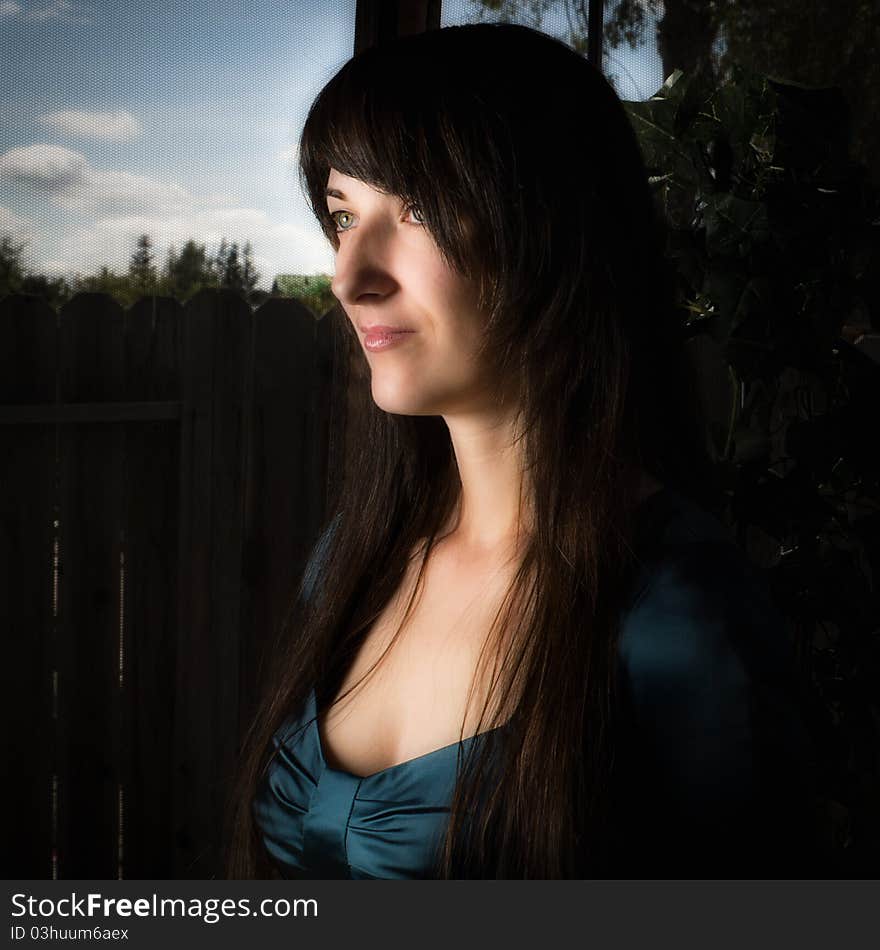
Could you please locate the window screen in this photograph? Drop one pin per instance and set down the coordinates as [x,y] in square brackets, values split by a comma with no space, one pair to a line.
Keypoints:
[130,129]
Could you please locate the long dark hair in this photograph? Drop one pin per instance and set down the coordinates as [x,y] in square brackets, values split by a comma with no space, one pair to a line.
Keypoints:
[529,177]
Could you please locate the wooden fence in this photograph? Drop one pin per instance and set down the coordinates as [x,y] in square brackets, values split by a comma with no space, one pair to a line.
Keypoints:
[164,473]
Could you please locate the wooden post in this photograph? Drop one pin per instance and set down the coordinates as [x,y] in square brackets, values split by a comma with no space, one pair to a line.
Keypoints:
[217,370]
[286,475]
[153,343]
[91,543]
[28,359]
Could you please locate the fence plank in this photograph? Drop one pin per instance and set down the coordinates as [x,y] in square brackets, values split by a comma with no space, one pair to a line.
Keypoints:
[90,474]
[27,476]
[153,343]
[216,367]
[287,472]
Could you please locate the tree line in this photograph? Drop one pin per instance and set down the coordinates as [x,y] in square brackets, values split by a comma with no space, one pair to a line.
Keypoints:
[181,274]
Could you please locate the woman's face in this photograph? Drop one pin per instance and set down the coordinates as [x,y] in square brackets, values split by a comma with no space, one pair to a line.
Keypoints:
[390,273]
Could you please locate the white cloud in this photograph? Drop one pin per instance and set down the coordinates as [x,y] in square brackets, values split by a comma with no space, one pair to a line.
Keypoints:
[13,225]
[117,126]
[108,192]
[44,168]
[72,183]
[63,11]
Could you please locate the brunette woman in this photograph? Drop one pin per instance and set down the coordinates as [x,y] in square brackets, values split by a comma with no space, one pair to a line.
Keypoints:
[524,646]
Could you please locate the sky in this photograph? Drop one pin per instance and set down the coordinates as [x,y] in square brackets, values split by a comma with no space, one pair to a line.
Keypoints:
[178,120]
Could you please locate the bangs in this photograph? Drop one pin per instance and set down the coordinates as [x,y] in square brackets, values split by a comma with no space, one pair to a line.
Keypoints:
[373,121]
[391,119]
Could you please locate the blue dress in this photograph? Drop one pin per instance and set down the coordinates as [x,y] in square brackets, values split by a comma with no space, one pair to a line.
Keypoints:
[713,772]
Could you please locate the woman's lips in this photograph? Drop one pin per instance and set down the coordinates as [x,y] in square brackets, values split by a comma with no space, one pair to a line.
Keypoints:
[377,338]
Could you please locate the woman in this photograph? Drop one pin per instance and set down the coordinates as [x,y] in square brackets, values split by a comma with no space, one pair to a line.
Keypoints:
[523,647]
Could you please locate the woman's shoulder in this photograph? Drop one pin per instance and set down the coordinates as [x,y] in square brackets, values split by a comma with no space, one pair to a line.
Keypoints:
[696,597]
[680,545]
[708,690]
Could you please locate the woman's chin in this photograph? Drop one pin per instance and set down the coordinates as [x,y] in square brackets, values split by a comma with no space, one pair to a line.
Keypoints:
[402,407]
[399,408]
[399,401]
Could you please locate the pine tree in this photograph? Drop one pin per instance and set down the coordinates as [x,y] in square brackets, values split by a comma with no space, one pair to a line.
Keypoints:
[11,268]
[218,265]
[170,264]
[232,272]
[189,271]
[249,275]
[141,269]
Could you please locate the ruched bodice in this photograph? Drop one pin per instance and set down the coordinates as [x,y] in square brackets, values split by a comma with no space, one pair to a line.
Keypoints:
[714,769]
[329,823]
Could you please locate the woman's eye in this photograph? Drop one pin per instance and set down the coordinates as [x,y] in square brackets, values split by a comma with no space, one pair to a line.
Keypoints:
[339,226]
[343,223]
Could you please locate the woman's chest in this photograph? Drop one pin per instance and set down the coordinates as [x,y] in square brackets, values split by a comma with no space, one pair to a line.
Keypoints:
[426,662]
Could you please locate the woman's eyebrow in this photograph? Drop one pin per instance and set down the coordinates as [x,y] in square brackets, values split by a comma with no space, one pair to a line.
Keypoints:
[334,193]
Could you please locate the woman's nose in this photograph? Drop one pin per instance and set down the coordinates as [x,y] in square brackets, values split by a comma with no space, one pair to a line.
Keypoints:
[364,264]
